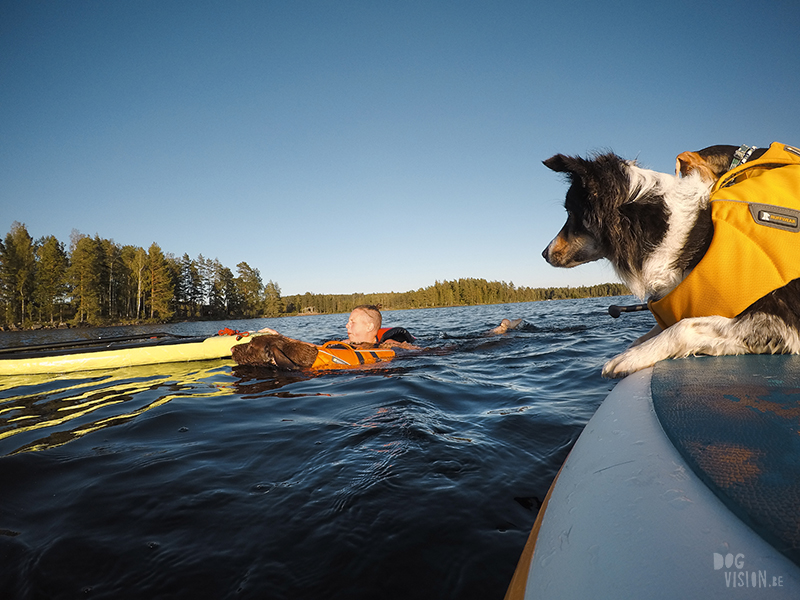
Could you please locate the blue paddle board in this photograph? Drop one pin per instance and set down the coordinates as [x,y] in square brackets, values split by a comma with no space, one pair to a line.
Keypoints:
[684,484]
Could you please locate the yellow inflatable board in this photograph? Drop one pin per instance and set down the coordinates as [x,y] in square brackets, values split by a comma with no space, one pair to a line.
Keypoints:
[331,355]
[213,347]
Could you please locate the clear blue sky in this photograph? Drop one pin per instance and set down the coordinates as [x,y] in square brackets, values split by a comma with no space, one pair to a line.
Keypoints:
[375,146]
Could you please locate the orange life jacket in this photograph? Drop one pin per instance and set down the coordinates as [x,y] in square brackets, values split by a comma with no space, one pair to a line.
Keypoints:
[341,355]
[755,210]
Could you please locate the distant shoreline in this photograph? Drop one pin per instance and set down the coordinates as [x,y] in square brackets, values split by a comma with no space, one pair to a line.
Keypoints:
[133,323]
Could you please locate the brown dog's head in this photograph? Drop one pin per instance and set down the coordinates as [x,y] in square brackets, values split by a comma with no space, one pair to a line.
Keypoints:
[275,351]
[712,162]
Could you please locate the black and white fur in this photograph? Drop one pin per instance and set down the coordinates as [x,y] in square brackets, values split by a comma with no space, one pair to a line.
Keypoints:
[654,228]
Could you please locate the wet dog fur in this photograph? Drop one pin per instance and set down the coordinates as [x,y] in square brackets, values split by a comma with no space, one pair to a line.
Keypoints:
[275,351]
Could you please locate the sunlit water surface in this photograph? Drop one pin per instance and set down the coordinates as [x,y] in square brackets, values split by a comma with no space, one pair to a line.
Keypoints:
[419,478]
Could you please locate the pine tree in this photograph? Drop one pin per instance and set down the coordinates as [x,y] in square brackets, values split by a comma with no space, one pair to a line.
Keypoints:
[111,275]
[160,284]
[51,276]
[249,290]
[133,261]
[17,271]
[186,291]
[84,276]
[194,282]
[140,268]
[273,305]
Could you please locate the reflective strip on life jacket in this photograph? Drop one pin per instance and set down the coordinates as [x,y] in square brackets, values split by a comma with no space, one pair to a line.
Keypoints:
[755,210]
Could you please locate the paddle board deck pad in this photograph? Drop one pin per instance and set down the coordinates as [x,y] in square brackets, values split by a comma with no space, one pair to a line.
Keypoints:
[684,484]
[113,353]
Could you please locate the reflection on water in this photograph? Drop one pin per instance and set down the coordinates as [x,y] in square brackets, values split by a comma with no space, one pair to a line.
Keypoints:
[71,406]
[43,412]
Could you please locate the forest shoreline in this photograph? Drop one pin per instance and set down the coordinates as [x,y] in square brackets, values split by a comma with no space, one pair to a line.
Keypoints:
[38,326]
[97,282]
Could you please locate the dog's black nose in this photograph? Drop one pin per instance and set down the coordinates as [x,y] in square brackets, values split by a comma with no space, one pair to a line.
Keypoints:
[544,253]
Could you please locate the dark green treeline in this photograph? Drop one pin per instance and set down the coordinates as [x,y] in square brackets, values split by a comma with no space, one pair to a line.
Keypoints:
[97,281]
[463,292]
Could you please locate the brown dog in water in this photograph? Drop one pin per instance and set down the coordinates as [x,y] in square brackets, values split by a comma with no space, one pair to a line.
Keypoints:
[277,351]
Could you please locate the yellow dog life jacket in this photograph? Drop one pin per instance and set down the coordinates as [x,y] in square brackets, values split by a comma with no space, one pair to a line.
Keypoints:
[755,210]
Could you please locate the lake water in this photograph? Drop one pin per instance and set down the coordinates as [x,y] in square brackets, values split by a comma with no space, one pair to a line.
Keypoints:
[419,478]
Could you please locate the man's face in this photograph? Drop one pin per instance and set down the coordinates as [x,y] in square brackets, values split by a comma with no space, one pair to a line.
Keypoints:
[360,328]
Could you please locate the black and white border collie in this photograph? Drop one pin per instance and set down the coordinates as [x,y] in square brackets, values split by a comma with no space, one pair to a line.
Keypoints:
[654,228]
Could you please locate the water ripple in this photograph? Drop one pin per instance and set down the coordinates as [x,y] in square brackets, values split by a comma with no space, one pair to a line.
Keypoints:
[203,480]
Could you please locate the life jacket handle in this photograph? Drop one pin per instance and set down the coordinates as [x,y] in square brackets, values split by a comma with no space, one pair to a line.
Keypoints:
[615,310]
[398,334]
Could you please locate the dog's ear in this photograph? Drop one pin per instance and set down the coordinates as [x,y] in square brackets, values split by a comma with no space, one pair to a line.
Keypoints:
[577,169]
[281,360]
[561,163]
[710,162]
[299,354]
[602,175]
[687,162]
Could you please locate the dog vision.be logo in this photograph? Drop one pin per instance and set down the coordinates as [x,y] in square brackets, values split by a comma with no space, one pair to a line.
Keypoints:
[737,576]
